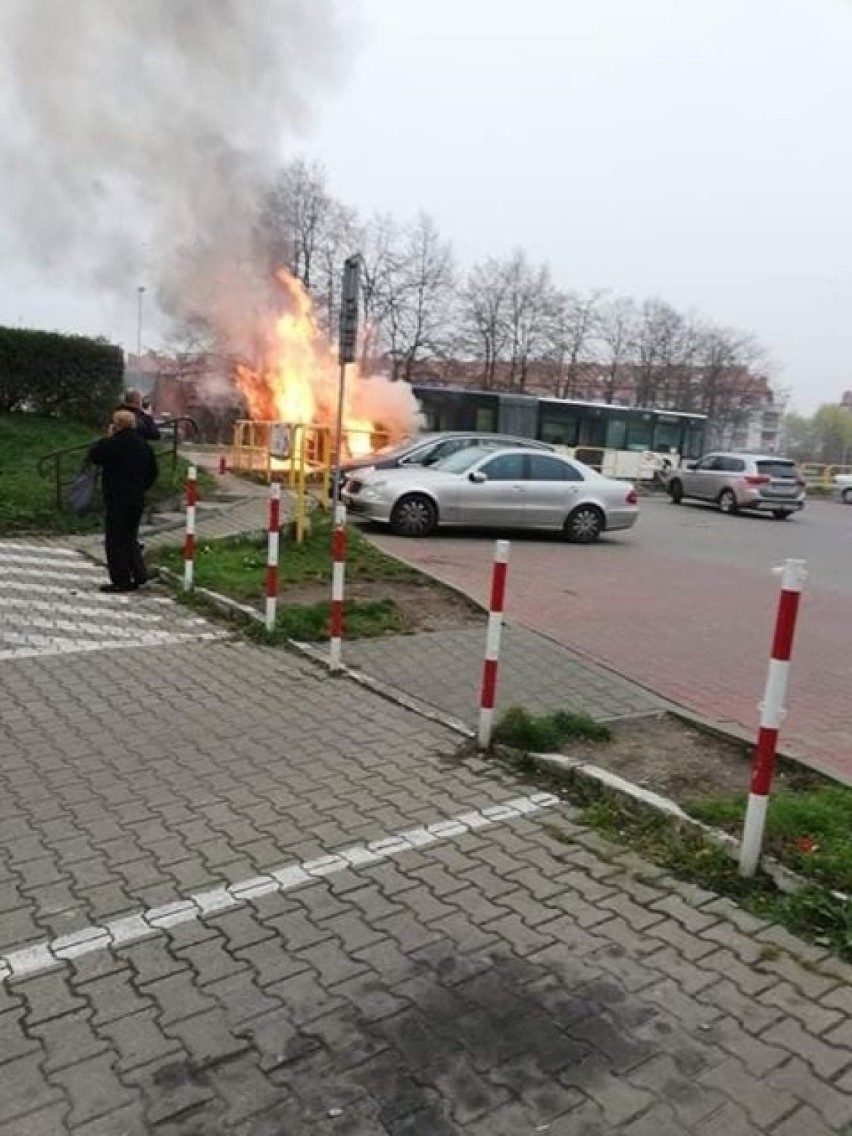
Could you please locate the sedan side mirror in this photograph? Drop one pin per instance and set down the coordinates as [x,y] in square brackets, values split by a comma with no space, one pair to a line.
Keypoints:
[477,476]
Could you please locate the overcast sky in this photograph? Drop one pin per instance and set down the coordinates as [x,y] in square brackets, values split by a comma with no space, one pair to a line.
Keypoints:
[692,149]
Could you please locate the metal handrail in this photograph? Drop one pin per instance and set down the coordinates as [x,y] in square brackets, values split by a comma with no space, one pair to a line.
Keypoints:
[56,456]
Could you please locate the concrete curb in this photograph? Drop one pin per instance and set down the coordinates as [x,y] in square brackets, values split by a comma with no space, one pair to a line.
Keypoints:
[737,734]
[223,604]
[562,766]
[389,693]
[604,782]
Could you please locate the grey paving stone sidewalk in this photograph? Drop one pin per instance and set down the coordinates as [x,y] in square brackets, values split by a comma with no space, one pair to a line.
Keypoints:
[444,670]
[508,973]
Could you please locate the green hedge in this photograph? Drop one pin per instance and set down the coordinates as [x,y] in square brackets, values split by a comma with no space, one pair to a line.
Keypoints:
[67,375]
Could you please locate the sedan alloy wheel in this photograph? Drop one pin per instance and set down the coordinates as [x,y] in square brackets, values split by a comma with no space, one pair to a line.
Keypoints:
[414,515]
[584,525]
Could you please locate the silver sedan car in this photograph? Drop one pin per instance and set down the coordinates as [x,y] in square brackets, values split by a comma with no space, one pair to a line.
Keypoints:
[507,489]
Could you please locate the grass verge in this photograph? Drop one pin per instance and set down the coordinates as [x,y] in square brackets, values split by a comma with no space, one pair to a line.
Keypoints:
[309,623]
[28,499]
[813,913]
[235,566]
[808,830]
[544,733]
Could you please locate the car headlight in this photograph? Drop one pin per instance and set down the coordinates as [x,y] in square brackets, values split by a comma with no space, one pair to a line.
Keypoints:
[371,489]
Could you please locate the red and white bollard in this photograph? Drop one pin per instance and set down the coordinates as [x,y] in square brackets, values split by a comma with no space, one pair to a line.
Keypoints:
[492,644]
[273,530]
[189,538]
[794,573]
[338,575]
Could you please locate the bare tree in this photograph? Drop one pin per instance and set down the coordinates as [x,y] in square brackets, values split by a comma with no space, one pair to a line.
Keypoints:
[528,308]
[338,238]
[574,321]
[482,317]
[416,296]
[679,341]
[296,211]
[616,332]
[655,329]
[728,370]
[380,253]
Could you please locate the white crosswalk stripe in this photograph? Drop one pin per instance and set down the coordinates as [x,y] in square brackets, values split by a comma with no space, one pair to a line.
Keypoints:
[21,586]
[14,602]
[39,549]
[40,617]
[16,558]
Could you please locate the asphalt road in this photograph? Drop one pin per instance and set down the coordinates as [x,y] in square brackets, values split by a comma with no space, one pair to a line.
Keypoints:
[685,604]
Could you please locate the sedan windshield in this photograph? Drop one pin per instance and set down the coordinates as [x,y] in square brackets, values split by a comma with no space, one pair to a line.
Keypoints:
[393,449]
[462,460]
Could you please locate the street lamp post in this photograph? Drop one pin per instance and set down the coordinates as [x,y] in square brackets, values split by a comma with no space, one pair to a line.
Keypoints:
[140,292]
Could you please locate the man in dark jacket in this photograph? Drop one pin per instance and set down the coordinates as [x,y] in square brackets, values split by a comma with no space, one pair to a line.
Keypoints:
[145,423]
[129,469]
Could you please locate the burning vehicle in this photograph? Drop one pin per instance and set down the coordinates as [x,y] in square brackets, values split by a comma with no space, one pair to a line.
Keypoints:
[296,385]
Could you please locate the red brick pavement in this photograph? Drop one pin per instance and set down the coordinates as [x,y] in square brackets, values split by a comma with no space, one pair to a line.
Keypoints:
[697,633]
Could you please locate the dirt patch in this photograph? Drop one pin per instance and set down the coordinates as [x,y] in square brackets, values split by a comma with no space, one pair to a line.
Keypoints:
[677,759]
[424,605]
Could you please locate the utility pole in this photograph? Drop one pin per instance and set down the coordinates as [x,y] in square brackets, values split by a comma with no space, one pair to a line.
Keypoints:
[140,292]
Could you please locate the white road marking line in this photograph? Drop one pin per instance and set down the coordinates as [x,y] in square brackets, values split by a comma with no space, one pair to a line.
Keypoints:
[89,577]
[34,639]
[40,957]
[24,564]
[23,585]
[40,549]
[43,561]
[60,608]
[21,621]
[75,646]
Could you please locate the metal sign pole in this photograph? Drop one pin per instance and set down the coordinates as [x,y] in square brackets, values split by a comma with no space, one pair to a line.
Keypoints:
[348,345]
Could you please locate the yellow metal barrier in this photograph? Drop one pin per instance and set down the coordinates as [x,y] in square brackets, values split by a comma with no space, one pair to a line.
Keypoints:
[814,473]
[832,471]
[300,455]
[820,475]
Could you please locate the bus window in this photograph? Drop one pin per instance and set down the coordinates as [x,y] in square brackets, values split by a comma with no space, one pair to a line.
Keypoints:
[616,433]
[486,419]
[667,436]
[639,433]
[430,416]
[593,430]
[558,428]
[694,443]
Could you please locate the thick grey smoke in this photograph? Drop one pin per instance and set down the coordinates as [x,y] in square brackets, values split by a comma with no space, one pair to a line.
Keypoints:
[142,134]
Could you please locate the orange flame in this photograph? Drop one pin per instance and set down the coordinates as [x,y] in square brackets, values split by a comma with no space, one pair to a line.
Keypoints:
[298,382]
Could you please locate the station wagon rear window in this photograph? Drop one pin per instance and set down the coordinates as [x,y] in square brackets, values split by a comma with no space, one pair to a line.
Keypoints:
[777,469]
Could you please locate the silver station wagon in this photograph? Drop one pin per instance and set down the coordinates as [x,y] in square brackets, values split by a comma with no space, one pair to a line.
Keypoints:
[734,481]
